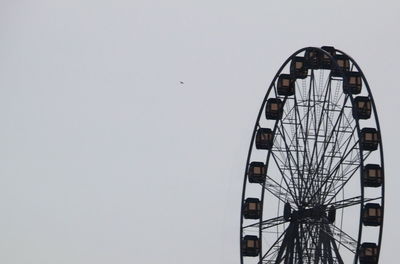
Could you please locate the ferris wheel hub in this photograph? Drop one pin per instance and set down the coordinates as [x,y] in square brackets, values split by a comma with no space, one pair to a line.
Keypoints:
[317,212]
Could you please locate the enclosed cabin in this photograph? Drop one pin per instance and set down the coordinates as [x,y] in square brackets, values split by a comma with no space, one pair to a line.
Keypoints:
[369,139]
[250,246]
[252,208]
[344,65]
[264,138]
[274,109]
[257,172]
[298,68]
[372,214]
[352,83]
[362,107]
[372,175]
[368,253]
[325,59]
[312,58]
[286,85]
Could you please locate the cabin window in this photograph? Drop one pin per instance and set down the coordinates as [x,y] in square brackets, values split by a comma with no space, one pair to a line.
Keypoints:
[252,206]
[354,80]
[257,170]
[266,136]
[363,104]
[285,82]
[250,243]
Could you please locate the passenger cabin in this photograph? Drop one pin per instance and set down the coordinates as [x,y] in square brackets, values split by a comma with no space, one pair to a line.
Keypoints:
[325,60]
[344,65]
[362,107]
[372,175]
[368,253]
[312,58]
[252,208]
[286,85]
[372,214]
[370,139]
[274,109]
[352,83]
[250,246]
[257,172]
[264,138]
[298,68]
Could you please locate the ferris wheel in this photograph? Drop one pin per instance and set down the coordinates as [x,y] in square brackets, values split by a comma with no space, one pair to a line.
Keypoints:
[313,188]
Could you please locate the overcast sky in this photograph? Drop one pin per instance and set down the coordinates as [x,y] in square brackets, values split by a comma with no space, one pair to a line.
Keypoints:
[105,157]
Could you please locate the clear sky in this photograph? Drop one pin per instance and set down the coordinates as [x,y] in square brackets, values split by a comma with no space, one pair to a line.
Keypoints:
[105,157]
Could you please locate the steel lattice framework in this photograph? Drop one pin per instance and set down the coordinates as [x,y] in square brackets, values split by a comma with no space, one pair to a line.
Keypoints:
[317,200]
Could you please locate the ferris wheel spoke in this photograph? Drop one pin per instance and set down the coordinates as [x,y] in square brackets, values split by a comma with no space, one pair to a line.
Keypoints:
[340,181]
[317,127]
[287,244]
[326,257]
[350,202]
[322,123]
[328,121]
[277,190]
[351,162]
[315,119]
[287,146]
[285,178]
[266,224]
[313,243]
[302,150]
[337,147]
[345,180]
[338,235]
[290,159]
[285,149]
[336,167]
[307,132]
[300,130]
[318,191]
[272,252]
[324,156]
[318,253]
[314,154]
[346,165]
[325,246]
[338,259]
[291,144]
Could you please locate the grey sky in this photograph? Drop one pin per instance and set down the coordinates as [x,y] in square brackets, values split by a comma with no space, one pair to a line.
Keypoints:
[107,158]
